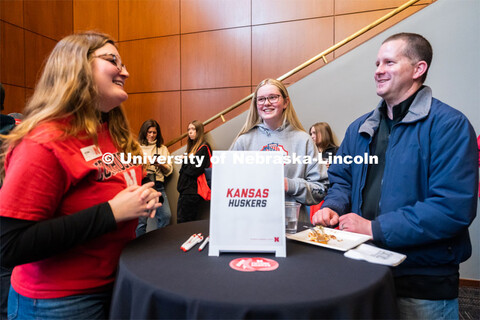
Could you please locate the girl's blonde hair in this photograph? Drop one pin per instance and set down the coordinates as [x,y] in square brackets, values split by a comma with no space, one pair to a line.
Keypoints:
[288,115]
[66,90]
[326,134]
[194,145]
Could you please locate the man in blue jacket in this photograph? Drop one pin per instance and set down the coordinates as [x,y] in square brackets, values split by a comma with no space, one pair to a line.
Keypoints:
[421,196]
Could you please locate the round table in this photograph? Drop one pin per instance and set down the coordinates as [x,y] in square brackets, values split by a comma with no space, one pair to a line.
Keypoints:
[156,279]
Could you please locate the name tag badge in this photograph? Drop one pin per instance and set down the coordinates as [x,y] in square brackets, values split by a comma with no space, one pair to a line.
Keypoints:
[91,152]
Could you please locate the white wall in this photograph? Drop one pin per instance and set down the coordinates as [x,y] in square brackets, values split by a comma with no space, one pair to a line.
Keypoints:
[344,89]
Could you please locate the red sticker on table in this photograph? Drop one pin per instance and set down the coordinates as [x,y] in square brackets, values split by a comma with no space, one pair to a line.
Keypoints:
[253,264]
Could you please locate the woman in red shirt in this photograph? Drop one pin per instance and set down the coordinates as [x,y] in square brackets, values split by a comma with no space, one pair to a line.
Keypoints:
[68,205]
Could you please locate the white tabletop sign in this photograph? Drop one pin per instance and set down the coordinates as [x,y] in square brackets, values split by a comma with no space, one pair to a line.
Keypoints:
[247,212]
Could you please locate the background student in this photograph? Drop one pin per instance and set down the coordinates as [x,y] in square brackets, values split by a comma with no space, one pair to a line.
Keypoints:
[322,135]
[151,142]
[189,201]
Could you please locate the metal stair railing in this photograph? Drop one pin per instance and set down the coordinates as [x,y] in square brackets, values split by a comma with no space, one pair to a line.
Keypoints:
[319,56]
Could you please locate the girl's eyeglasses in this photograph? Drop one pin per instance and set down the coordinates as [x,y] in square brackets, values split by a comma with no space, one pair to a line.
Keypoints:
[273,98]
[113,59]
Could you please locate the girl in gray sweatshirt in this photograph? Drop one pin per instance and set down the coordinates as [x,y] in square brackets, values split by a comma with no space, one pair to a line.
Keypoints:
[272,125]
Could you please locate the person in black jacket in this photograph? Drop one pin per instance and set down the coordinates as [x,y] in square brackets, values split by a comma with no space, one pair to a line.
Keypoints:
[189,200]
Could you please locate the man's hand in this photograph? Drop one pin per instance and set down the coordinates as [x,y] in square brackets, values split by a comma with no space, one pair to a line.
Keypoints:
[325,217]
[354,223]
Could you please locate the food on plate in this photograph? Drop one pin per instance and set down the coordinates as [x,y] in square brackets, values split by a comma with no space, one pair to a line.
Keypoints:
[321,236]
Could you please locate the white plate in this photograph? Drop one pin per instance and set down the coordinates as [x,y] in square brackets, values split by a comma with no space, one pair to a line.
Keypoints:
[345,240]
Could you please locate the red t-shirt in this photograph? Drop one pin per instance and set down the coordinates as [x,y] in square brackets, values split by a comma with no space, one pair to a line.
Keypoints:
[48,176]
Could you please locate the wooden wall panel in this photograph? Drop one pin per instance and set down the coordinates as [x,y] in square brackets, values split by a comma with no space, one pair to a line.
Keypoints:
[12,55]
[153,64]
[53,19]
[352,6]
[98,15]
[268,11]
[164,107]
[38,48]
[203,104]
[214,14]
[12,11]
[216,59]
[148,18]
[28,94]
[14,99]
[215,50]
[346,25]
[278,48]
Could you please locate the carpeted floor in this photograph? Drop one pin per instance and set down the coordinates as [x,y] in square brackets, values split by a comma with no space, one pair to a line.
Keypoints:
[469,303]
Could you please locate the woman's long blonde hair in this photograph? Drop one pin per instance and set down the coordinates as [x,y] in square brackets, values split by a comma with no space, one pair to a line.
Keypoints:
[66,90]
[327,140]
[288,115]
[194,145]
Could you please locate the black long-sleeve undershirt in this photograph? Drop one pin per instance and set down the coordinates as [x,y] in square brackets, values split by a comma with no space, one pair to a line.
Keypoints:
[24,241]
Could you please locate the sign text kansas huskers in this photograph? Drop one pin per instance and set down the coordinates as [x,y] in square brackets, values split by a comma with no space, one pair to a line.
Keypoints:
[247,197]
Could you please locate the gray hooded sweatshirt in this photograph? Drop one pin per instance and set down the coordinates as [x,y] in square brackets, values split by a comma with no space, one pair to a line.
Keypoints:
[306,181]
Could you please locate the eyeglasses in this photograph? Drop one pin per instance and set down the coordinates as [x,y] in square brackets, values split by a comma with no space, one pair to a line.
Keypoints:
[113,59]
[273,98]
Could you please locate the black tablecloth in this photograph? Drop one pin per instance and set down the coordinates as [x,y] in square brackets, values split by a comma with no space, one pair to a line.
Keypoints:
[158,280]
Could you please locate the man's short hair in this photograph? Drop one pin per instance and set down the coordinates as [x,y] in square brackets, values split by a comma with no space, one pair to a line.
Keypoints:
[418,48]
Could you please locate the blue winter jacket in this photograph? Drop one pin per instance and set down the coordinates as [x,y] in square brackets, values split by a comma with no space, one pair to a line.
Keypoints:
[429,187]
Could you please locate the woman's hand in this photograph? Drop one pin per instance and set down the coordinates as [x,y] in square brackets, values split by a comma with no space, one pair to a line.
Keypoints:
[134,202]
